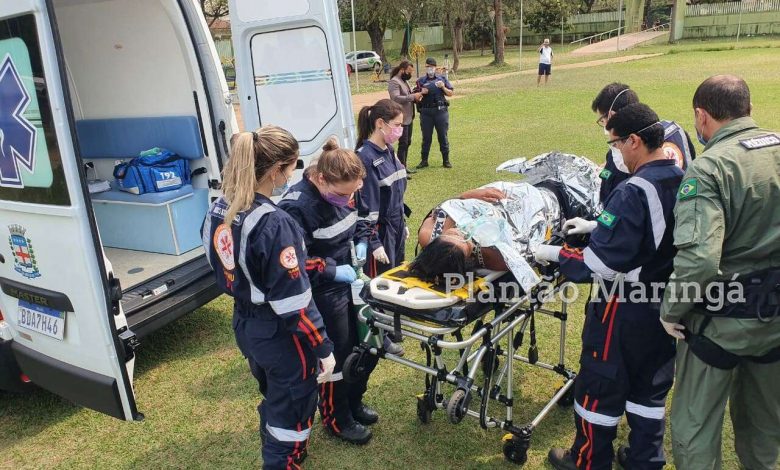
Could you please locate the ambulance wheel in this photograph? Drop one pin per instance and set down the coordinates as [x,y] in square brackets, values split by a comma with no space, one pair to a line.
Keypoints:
[457,406]
[352,369]
[567,399]
[423,411]
[515,452]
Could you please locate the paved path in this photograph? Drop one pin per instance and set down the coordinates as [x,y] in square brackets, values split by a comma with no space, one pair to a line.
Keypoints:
[627,41]
[365,99]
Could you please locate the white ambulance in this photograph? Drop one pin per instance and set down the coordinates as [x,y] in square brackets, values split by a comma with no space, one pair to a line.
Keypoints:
[87,269]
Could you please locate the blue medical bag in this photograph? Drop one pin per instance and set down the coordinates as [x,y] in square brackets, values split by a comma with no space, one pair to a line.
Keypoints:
[153,172]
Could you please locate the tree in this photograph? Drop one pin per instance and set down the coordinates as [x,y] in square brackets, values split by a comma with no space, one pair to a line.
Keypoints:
[546,16]
[499,33]
[214,10]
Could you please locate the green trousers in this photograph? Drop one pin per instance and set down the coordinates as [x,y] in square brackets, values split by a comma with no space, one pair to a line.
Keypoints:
[698,407]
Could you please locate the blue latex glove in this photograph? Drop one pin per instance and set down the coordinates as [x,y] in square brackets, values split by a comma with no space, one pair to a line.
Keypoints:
[361,250]
[345,273]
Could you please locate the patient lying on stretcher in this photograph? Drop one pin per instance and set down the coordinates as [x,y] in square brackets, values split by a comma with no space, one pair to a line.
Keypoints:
[495,226]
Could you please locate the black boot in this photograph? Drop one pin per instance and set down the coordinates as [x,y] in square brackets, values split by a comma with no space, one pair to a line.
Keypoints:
[423,164]
[446,159]
[365,415]
[622,456]
[355,433]
[561,459]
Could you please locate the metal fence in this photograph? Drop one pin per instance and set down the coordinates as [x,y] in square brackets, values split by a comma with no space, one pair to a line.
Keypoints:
[732,8]
[603,16]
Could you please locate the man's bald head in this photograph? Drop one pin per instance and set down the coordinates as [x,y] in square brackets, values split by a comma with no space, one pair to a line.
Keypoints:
[724,97]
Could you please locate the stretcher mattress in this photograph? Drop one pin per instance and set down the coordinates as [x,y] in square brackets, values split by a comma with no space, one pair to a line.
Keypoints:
[398,292]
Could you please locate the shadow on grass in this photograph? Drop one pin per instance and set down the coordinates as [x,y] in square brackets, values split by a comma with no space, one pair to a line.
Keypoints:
[25,415]
[237,449]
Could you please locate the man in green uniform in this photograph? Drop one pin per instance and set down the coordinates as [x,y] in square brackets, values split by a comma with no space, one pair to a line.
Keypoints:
[727,224]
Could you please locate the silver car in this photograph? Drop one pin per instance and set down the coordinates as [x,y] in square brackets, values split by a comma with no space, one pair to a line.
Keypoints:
[366,60]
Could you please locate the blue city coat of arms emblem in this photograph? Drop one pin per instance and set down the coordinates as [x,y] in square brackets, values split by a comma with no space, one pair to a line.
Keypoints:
[22,250]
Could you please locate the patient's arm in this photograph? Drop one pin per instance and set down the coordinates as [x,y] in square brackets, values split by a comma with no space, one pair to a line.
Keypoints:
[491,195]
[424,234]
[493,259]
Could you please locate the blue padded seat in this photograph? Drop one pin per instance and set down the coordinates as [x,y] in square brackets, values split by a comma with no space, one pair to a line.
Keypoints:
[116,195]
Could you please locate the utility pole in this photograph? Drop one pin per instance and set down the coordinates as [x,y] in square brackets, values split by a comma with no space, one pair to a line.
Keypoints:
[354,48]
[620,21]
[520,56]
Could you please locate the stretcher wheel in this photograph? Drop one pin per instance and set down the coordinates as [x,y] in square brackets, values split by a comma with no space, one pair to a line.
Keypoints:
[567,399]
[515,452]
[457,406]
[423,411]
[352,369]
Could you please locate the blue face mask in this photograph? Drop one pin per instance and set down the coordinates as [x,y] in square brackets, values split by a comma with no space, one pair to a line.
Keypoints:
[278,191]
[702,140]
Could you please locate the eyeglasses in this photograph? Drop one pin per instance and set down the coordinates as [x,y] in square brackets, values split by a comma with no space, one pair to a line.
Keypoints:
[602,120]
[613,143]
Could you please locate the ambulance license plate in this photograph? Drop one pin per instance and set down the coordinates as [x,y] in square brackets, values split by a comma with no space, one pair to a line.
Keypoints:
[42,319]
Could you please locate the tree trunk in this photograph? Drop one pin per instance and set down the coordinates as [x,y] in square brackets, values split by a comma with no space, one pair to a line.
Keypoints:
[405,43]
[457,42]
[500,34]
[377,34]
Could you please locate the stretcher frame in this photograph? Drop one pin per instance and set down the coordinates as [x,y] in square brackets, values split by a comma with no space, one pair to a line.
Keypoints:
[508,326]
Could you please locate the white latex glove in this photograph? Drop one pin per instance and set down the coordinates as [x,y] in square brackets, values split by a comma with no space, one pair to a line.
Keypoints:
[406,233]
[381,256]
[578,225]
[326,368]
[674,330]
[543,254]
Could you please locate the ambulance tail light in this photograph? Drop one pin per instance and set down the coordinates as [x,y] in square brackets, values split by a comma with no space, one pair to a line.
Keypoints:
[23,377]
[1,315]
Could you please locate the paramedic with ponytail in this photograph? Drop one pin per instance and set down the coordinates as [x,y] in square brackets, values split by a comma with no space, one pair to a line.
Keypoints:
[323,204]
[381,200]
[258,256]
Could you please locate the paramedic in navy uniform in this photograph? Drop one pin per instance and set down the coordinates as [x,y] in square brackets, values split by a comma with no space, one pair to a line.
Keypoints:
[626,363]
[381,200]
[258,256]
[323,204]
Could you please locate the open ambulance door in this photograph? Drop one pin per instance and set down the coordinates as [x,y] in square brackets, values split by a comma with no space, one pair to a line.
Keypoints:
[69,334]
[290,70]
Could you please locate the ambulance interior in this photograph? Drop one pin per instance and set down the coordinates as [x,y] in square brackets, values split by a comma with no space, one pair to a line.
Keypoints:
[135,83]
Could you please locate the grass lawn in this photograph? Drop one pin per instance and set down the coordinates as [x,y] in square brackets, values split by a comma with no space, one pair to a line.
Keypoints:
[196,391]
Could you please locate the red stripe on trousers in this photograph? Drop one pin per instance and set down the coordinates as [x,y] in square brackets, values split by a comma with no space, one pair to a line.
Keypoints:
[585,432]
[609,332]
[301,356]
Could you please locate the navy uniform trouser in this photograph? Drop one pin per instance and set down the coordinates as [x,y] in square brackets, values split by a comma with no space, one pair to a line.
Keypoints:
[403,144]
[431,118]
[627,366]
[393,239]
[287,370]
[337,397]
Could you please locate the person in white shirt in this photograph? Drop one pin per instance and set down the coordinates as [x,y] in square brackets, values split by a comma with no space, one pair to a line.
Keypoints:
[545,62]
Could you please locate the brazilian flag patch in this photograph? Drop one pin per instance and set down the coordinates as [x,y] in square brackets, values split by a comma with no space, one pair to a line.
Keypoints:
[605,174]
[606,219]
[689,188]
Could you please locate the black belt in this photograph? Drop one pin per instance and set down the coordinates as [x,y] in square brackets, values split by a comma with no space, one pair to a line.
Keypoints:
[761,298]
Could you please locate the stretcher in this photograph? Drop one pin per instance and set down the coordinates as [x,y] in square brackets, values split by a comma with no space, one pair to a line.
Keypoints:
[487,335]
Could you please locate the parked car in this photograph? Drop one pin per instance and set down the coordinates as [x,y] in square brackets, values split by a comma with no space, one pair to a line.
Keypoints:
[365,60]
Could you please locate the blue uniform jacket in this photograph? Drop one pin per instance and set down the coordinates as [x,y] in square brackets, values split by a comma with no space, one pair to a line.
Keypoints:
[435,96]
[633,236]
[259,260]
[327,230]
[381,200]
[677,146]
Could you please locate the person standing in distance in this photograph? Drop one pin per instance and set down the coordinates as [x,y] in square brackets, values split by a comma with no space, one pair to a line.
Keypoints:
[433,112]
[545,62]
[400,92]
[727,225]
[258,257]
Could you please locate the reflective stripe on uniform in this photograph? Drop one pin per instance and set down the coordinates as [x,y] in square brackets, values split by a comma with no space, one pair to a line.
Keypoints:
[291,304]
[292,196]
[400,174]
[250,222]
[594,263]
[205,236]
[336,229]
[654,412]
[371,217]
[657,218]
[596,418]
[288,435]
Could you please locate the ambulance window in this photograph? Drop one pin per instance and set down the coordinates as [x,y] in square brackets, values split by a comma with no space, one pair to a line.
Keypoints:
[30,164]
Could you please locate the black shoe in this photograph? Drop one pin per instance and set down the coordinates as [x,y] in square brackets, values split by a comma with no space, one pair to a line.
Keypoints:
[408,177]
[622,456]
[561,459]
[365,415]
[394,349]
[354,434]
[447,164]
[422,164]
[410,170]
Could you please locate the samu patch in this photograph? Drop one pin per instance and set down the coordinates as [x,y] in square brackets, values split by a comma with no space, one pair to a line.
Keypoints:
[689,188]
[605,174]
[607,220]
[288,259]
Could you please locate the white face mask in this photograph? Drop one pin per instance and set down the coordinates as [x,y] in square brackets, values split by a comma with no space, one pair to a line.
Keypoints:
[617,157]
[431,71]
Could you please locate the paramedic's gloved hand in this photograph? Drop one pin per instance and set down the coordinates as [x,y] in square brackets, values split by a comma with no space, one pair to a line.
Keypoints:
[345,273]
[406,233]
[381,256]
[578,225]
[326,368]
[675,330]
[361,249]
[543,254]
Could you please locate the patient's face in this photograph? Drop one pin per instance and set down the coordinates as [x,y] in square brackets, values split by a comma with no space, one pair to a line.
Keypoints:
[455,237]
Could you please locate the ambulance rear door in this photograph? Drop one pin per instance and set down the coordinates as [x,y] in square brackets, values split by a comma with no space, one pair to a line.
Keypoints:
[69,334]
[290,70]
